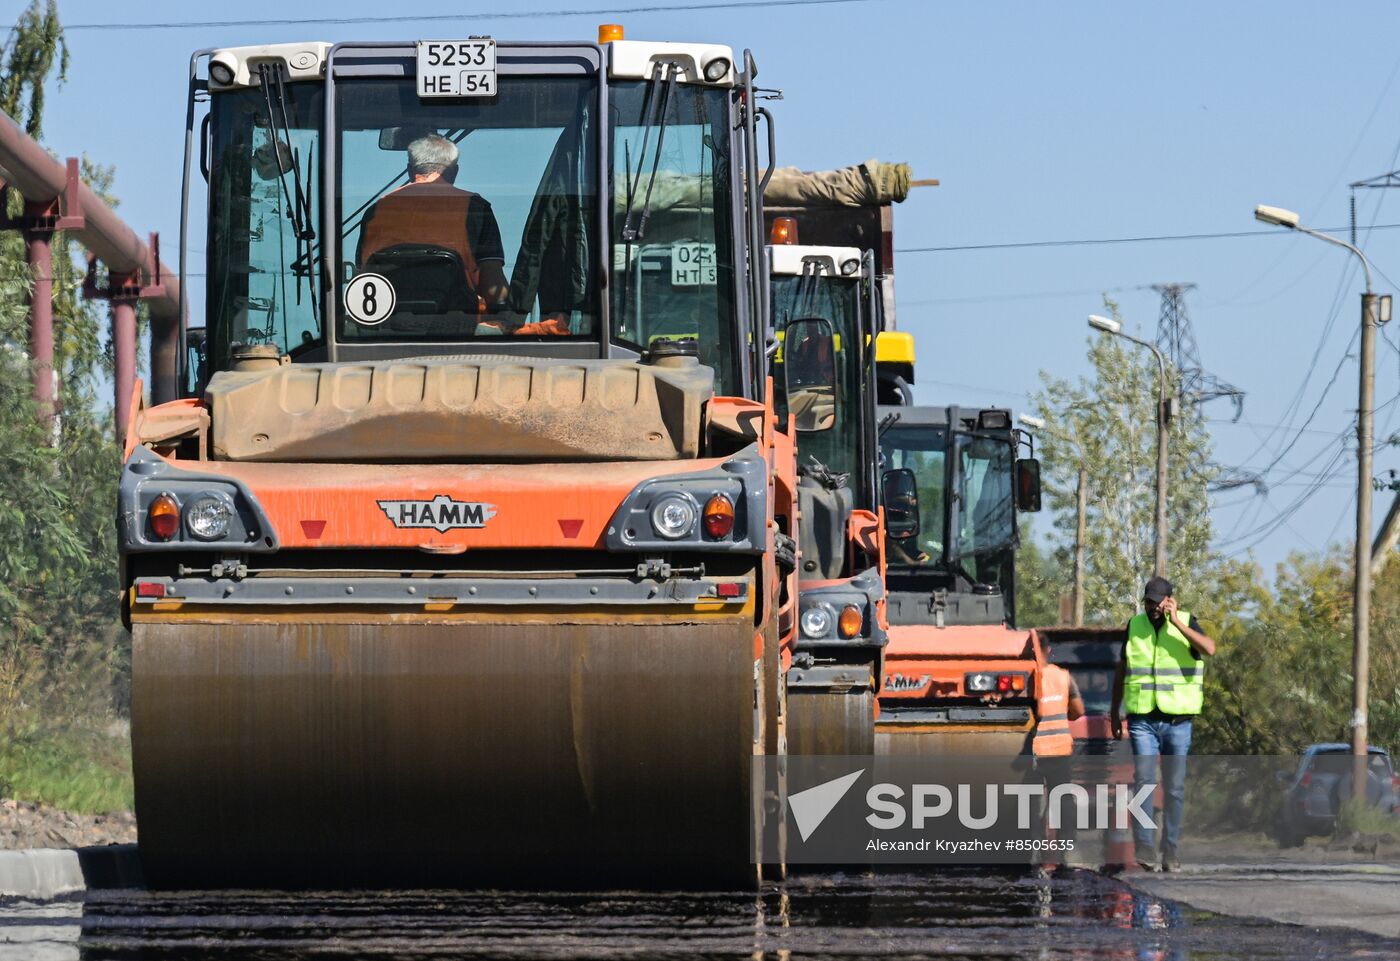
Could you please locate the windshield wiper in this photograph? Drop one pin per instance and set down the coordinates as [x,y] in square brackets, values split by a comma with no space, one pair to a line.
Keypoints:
[298,204]
[654,113]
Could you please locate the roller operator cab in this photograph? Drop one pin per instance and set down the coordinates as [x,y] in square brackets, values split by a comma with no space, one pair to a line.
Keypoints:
[824,304]
[461,563]
[959,677]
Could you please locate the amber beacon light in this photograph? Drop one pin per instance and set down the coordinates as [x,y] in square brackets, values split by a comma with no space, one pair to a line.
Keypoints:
[784,231]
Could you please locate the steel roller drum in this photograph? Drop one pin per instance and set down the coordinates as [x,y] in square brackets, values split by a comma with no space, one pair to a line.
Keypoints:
[323,749]
[830,723]
[936,742]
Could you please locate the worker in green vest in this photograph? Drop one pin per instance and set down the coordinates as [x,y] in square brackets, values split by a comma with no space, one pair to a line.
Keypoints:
[1159,684]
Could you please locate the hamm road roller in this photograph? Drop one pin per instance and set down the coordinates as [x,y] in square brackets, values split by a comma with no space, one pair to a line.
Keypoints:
[464,559]
[825,309]
[960,678]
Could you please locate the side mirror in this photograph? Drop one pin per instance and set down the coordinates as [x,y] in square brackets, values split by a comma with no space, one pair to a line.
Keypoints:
[1028,485]
[901,498]
[809,374]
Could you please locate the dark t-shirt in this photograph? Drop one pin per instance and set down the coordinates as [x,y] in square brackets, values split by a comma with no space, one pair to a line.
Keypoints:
[483,232]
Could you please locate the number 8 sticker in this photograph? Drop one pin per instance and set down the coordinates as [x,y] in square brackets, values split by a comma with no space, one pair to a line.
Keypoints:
[370,299]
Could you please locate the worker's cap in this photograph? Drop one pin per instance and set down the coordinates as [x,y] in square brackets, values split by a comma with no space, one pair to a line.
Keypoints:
[1157,589]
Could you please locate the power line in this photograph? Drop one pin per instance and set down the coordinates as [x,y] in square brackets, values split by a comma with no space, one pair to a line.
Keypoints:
[1255,423]
[1093,241]
[1022,396]
[1291,412]
[1281,517]
[449,17]
[1030,295]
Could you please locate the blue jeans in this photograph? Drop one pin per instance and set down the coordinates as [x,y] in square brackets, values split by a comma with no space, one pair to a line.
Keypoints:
[1167,737]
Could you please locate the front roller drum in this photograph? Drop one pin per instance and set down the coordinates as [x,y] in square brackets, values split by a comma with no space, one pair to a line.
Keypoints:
[926,742]
[523,753]
[825,722]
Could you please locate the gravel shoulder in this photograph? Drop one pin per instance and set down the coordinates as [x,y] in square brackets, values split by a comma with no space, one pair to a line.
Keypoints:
[25,825]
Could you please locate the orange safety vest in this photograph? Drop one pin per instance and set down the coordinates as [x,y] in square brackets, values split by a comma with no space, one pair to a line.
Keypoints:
[1052,737]
[432,213]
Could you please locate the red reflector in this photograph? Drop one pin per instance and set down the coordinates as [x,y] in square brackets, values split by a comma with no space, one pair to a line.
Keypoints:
[313,529]
[731,589]
[1003,683]
[570,528]
[150,590]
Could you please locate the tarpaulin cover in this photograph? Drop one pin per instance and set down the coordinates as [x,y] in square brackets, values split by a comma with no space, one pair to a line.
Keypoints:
[870,184]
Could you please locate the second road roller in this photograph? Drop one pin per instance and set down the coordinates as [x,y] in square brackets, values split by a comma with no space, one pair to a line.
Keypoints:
[825,309]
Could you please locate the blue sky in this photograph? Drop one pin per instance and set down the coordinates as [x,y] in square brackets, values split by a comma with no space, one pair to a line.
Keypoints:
[1044,122]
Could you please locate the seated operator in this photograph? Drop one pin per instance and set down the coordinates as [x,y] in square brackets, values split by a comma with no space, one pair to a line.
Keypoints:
[811,393]
[903,548]
[429,210]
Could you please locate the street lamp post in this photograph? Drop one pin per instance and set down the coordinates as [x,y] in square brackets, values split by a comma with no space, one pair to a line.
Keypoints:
[1374,311]
[1159,546]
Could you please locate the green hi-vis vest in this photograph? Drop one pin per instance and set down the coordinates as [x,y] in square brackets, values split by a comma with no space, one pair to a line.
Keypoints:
[1162,673]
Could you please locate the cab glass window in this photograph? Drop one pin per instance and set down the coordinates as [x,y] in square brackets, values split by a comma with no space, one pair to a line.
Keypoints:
[923,451]
[672,237]
[834,299]
[478,213]
[264,217]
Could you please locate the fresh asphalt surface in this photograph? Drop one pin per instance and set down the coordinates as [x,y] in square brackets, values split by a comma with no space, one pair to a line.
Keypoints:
[974,913]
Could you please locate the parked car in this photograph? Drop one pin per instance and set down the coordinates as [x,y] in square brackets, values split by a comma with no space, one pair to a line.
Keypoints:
[1314,793]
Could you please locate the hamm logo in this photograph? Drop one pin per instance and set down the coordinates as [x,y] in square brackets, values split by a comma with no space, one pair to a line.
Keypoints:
[441,513]
[901,682]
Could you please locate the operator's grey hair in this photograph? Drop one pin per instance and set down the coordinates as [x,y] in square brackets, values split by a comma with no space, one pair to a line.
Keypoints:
[431,154]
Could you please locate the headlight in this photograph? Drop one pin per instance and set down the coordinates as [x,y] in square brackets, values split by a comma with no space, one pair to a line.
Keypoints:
[208,516]
[221,71]
[849,267]
[980,683]
[816,622]
[716,69]
[673,516]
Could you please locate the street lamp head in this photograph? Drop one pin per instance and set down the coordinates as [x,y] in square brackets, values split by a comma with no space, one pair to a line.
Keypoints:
[1106,324]
[1032,421]
[1276,216]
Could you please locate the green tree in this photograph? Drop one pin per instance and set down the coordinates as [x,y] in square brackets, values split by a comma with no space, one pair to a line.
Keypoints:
[1287,681]
[62,651]
[1042,577]
[35,45]
[1106,424]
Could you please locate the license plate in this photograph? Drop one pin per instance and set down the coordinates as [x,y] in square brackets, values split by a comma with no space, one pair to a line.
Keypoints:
[693,265]
[456,68]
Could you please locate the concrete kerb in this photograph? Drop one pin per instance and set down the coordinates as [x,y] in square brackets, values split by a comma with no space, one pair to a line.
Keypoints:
[42,873]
